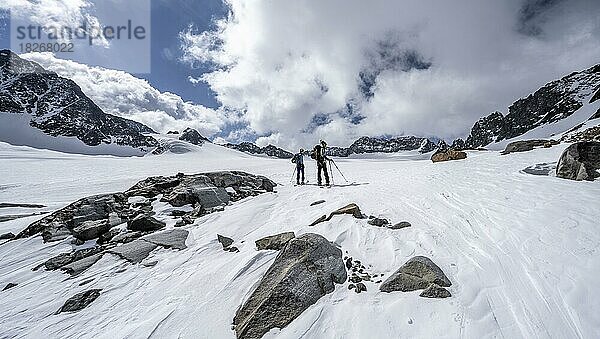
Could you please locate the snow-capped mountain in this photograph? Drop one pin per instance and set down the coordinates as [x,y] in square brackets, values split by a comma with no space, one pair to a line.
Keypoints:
[32,98]
[383,145]
[552,103]
[270,150]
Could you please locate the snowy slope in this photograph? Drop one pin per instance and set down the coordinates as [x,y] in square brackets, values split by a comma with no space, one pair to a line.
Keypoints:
[522,251]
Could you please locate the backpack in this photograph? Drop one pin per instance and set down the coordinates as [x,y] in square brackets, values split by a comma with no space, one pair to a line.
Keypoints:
[315,155]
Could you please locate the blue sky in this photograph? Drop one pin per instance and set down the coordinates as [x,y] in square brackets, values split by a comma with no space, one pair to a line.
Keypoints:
[169,18]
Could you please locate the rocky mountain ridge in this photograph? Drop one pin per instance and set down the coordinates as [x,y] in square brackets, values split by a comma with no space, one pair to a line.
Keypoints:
[58,107]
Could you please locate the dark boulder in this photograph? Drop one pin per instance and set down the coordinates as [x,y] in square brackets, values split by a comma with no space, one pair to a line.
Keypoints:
[400,225]
[318,202]
[580,161]
[89,230]
[68,258]
[307,268]
[6,236]
[380,222]
[145,223]
[77,267]
[416,274]
[9,286]
[225,241]
[274,242]
[79,301]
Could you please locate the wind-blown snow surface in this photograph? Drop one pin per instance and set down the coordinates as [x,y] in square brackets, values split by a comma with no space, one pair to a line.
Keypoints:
[522,251]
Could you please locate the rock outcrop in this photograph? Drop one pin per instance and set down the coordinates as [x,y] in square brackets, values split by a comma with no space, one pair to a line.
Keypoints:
[94,216]
[527,145]
[274,242]
[80,301]
[580,161]
[448,155]
[307,268]
[416,274]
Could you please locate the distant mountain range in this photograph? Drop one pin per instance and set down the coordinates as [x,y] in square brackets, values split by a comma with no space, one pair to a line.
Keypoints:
[32,98]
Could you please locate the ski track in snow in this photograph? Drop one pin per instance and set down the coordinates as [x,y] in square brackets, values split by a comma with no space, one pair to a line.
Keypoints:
[522,251]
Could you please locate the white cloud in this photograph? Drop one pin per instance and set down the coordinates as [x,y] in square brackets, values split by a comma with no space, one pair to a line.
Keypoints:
[122,94]
[282,62]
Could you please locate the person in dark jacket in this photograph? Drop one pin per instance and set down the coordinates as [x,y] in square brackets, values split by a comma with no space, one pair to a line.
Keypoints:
[320,156]
[298,159]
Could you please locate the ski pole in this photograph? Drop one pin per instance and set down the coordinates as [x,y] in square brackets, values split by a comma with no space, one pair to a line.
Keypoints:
[336,166]
[293,174]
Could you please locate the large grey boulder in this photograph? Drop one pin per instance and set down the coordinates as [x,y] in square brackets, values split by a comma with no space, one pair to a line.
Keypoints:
[580,161]
[274,242]
[174,238]
[91,229]
[307,268]
[416,274]
[134,251]
[79,301]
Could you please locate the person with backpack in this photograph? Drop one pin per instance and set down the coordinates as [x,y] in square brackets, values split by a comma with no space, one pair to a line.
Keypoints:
[320,156]
[298,159]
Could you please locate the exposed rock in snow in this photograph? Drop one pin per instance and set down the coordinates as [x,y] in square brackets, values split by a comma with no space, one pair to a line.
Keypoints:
[541,169]
[306,269]
[8,235]
[193,137]
[134,251]
[9,286]
[79,301]
[145,223]
[352,209]
[400,225]
[416,274]
[174,238]
[81,265]
[274,242]
[225,241]
[318,202]
[527,145]
[92,229]
[580,161]
[58,107]
[448,155]
[207,192]
[68,258]
[380,222]
[270,150]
